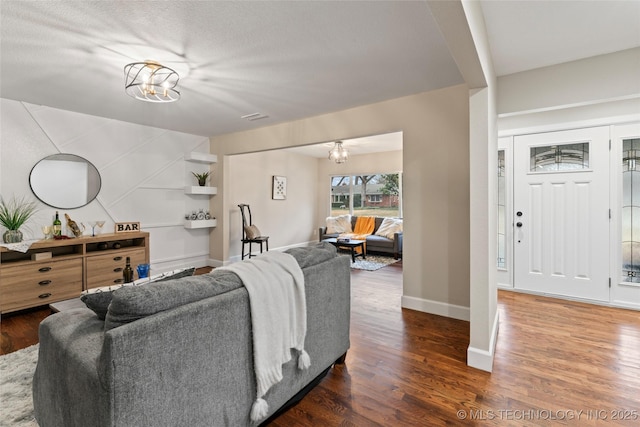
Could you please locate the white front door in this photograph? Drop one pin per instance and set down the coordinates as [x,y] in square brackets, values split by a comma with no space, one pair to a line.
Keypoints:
[561,213]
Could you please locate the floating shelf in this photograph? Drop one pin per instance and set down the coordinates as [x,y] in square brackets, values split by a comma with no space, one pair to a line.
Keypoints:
[201,190]
[196,156]
[200,223]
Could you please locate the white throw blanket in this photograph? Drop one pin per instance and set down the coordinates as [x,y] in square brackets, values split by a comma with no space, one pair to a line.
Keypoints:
[278,305]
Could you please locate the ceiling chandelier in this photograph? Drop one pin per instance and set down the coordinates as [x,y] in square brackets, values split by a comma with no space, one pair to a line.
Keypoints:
[338,153]
[151,82]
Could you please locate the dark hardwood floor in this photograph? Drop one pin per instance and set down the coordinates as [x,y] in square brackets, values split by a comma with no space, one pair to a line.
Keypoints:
[557,363]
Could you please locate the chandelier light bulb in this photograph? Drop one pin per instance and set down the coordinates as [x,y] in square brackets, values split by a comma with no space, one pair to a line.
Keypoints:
[151,82]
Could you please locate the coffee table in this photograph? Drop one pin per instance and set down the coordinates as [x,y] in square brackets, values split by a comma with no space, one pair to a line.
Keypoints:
[352,245]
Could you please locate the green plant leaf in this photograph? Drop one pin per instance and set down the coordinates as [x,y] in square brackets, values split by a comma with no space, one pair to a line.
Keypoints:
[15,212]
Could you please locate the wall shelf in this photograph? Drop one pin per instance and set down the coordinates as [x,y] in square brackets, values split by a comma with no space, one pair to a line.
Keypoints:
[200,223]
[196,189]
[199,157]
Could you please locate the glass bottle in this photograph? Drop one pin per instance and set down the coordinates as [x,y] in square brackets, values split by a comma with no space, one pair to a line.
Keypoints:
[127,273]
[57,226]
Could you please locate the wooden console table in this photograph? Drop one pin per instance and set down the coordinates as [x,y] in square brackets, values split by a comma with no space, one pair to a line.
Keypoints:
[74,265]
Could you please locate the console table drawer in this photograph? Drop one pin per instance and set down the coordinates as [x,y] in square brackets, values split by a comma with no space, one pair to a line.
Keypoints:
[106,270]
[39,283]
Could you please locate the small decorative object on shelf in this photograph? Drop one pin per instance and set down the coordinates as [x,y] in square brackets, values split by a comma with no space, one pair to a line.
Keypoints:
[57,226]
[207,215]
[193,216]
[202,177]
[13,215]
[73,226]
[201,214]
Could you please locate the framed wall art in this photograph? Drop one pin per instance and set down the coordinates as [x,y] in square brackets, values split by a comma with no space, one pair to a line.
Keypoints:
[279,188]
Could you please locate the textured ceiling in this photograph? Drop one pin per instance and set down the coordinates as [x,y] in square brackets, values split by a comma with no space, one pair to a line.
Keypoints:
[286,60]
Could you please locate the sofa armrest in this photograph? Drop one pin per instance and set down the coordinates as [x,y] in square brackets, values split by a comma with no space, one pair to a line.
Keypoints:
[397,244]
[65,376]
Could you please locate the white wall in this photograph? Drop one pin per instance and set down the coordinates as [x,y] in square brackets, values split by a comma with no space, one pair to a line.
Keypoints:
[290,222]
[603,78]
[142,169]
[595,91]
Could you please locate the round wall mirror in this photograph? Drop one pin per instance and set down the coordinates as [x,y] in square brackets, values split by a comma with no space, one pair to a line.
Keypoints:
[65,181]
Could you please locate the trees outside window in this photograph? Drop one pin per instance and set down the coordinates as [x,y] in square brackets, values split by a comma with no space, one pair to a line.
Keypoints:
[367,195]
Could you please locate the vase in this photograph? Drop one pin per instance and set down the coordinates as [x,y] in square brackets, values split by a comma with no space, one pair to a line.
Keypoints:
[12,236]
[202,182]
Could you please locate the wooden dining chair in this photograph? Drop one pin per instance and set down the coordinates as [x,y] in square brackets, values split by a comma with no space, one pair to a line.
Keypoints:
[250,233]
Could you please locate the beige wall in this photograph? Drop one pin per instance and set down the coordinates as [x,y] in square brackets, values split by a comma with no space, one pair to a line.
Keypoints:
[435,128]
[288,222]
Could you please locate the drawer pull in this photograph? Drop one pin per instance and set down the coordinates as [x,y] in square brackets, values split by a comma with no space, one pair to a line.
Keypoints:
[43,296]
[117,270]
[44,282]
[117,281]
[117,258]
[44,269]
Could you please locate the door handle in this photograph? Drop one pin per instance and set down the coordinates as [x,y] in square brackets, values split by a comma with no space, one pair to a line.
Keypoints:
[518,224]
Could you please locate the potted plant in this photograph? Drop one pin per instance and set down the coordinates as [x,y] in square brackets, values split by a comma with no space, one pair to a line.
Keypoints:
[13,214]
[202,177]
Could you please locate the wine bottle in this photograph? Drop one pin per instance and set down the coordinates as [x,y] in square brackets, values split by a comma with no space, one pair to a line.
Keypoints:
[57,226]
[127,273]
[73,226]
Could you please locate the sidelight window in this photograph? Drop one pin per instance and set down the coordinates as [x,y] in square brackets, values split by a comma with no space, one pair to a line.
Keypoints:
[502,226]
[631,210]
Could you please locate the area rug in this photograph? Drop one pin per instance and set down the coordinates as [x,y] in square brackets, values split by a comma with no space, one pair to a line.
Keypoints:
[372,263]
[16,375]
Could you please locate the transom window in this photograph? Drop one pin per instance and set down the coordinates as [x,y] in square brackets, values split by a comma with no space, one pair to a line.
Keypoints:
[563,157]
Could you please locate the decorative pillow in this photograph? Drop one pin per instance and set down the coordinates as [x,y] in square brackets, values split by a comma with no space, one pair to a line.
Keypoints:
[339,224]
[98,299]
[389,227]
[251,231]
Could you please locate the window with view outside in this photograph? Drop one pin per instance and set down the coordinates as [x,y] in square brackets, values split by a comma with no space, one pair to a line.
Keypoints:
[631,210]
[367,195]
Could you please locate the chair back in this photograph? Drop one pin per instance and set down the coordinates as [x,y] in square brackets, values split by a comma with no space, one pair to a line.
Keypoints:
[245,211]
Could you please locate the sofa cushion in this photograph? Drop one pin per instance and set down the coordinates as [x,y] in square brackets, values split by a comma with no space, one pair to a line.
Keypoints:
[389,227]
[374,241]
[98,299]
[131,303]
[339,224]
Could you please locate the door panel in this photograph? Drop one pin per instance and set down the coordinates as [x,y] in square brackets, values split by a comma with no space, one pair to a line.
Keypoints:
[561,184]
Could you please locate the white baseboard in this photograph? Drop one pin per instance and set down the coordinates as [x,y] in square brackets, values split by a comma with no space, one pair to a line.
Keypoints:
[436,307]
[483,359]
[168,264]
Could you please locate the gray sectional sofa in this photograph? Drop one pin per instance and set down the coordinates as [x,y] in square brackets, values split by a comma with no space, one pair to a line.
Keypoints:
[374,243]
[179,353]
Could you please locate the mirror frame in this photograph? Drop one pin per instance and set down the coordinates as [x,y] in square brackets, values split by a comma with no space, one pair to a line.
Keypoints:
[91,169]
